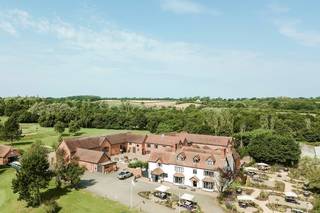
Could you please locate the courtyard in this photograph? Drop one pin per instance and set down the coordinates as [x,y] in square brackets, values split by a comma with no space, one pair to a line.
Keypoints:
[123,191]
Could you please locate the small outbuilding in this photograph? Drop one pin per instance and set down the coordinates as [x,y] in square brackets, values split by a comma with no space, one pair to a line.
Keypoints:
[95,161]
[8,154]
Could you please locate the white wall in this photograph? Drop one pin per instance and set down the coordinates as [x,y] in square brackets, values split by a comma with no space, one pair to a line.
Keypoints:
[188,173]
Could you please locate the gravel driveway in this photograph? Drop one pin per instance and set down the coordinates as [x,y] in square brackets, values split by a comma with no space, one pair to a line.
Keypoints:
[107,185]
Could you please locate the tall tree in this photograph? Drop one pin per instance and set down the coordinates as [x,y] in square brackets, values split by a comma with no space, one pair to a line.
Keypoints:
[271,148]
[33,176]
[11,129]
[74,127]
[67,172]
[59,127]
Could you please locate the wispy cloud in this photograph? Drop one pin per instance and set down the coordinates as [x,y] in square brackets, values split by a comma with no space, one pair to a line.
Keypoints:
[110,57]
[290,29]
[187,7]
[8,28]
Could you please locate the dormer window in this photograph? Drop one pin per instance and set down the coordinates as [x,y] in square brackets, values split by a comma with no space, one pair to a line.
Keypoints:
[210,162]
[196,159]
[181,156]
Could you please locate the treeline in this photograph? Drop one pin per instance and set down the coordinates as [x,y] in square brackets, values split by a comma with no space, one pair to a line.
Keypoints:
[206,120]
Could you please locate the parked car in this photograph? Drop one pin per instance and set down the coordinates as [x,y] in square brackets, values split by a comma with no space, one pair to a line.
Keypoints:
[124,174]
[15,164]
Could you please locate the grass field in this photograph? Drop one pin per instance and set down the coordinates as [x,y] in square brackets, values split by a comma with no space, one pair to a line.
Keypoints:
[33,132]
[150,103]
[78,201]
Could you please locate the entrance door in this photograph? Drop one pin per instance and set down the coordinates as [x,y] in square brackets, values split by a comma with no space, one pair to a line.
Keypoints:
[134,149]
[99,169]
[194,183]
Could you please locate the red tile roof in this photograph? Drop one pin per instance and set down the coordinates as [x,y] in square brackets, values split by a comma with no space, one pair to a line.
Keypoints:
[96,142]
[4,150]
[7,151]
[84,143]
[91,156]
[163,140]
[205,139]
[157,171]
[125,138]
[189,153]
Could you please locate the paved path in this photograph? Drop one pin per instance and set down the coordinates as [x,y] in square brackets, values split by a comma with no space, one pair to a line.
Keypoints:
[109,186]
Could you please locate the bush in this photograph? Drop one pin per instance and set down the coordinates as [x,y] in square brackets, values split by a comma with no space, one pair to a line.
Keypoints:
[270,148]
[263,195]
[51,206]
[138,164]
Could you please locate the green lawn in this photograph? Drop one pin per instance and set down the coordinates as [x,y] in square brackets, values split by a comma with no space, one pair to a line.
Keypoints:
[33,132]
[74,201]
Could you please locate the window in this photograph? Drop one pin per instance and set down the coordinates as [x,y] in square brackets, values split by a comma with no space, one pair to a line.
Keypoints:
[164,175]
[210,162]
[196,159]
[148,145]
[156,146]
[137,145]
[105,149]
[130,143]
[208,173]
[159,164]
[208,185]
[181,156]
[195,171]
[178,169]
[179,180]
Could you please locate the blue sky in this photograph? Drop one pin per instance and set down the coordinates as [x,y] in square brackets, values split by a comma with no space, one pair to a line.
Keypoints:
[160,48]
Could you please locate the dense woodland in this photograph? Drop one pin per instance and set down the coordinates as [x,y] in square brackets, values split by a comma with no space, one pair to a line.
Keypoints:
[245,119]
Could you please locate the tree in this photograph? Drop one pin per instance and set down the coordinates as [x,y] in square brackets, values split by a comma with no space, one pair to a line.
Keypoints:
[74,127]
[225,178]
[73,173]
[11,129]
[271,148]
[309,169]
[67,172]
[33,176]
[59,127]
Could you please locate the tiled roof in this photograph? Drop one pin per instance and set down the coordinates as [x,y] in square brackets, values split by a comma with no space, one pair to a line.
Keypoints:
[7,151]
[163,140]
[96,142]
[125,138]
[205,139]
[189,154]
[4,150]
[178,174]
[208,179]
[91,156]
[84,143]
[157,171]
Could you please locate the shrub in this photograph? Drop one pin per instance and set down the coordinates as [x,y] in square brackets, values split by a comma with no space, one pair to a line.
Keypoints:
[138,164]
[51,206]
[263,195]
